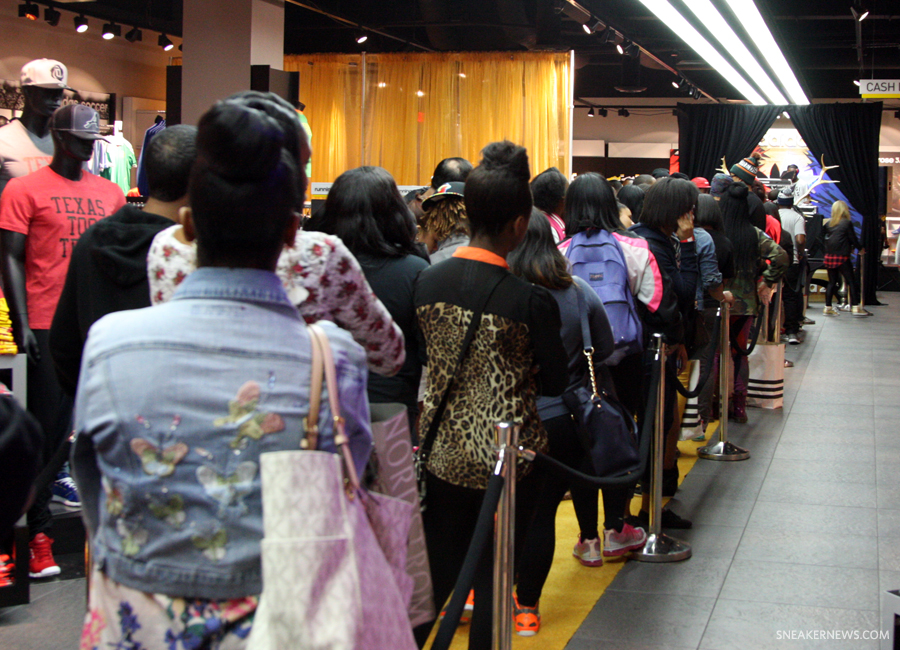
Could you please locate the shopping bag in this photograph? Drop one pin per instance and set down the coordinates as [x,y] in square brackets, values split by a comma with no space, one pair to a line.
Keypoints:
[690,419]
[765,388]
[394,474]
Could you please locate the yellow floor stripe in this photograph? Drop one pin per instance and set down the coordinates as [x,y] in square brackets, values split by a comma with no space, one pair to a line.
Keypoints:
[572,590]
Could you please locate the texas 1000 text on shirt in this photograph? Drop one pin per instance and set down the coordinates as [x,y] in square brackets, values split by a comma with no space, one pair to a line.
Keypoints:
[53,212]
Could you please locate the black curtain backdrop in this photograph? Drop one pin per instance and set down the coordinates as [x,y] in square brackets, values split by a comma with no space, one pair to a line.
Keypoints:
[847,134]
[706,132]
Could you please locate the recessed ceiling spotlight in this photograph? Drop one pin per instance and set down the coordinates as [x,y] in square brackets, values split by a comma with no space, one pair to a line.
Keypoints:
[81,24]
[111,30]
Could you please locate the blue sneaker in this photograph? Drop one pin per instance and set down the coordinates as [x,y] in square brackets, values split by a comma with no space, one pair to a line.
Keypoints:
[65,492]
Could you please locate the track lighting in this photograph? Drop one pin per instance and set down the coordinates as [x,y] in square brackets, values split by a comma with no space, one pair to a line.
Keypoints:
[633,50]
[897,114]
[592,26]
[856,82]
[607,36]
[623,112]
[361,38]
[602,112]
[591,112]
[695,93]
[111,30]
[675,84]
[52,16]
[81,24]
[620,49]
[29,10]
[859,14]
[134,35]
[165,43]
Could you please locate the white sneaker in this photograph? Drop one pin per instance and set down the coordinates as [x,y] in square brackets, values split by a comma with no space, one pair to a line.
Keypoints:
[588,552]
[793,340]
[830,311]
[618,544]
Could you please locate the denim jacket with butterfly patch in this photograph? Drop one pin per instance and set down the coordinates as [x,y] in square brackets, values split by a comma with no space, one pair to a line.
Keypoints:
[175,404]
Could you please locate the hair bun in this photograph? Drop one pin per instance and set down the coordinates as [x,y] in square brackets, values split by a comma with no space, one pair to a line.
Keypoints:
[507,156]
[239,143]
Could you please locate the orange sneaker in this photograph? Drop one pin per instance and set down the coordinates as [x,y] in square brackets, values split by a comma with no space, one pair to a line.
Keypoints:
[526,619]
[468,608]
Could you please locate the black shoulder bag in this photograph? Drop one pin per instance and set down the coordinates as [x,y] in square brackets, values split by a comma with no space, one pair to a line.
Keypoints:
[422,453]
[607,430]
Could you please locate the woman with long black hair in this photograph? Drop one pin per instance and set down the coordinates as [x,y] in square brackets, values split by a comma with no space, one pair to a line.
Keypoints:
[759,264]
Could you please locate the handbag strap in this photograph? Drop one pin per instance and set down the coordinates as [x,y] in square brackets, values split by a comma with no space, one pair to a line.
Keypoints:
[428,442]
[323,363]
[310,439]
[587,342]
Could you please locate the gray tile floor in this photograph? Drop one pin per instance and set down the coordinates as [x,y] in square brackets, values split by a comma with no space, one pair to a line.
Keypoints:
[803,536]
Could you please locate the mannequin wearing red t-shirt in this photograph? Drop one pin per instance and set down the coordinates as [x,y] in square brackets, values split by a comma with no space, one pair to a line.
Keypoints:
[41,217]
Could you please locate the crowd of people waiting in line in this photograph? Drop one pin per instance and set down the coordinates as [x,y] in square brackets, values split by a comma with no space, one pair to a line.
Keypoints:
[171,491]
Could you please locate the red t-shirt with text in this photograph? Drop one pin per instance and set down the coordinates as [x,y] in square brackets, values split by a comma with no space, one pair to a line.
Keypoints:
[53,212]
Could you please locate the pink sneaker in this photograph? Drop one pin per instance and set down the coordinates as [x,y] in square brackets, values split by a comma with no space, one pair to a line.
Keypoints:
[618,544]
[588,552]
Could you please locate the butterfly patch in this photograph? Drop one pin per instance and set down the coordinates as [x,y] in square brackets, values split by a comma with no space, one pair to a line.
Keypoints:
[228,490]
[213,547]
[133,537]
[115,500]
[156,461]
[171,512]
[245,416]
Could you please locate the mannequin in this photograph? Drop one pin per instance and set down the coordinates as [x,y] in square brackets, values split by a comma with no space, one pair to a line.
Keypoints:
[25,144]
[42,215]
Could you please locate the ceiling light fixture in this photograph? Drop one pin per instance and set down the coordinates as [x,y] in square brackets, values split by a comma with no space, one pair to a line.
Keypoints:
[856,82]
[623,112]
[420,93]
[675,84]
[361,38]
[591,112]
[608,35]
[713,20]
[620,49]
[633,50]
[29,10]
[164,42]
[81,24]
[593,26]
[695,93]
[134,34]
[860,14]
[897,114]
[52,16]
[753,23]
[602,112]
[678,24]
[111,30]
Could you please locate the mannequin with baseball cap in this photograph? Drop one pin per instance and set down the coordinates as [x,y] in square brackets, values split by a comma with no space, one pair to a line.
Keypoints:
[25,143]
[42,215]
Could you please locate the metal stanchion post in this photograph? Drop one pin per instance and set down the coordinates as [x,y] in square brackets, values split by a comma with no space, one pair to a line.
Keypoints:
[860,310]
[724,450]
[659,547]
[507,441]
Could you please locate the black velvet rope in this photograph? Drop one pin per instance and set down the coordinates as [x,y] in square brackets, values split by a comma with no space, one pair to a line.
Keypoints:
[754,336]
[710,355]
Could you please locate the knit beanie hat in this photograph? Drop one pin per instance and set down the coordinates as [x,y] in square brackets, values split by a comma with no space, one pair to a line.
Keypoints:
[785,197]
[720,183]
[746,170]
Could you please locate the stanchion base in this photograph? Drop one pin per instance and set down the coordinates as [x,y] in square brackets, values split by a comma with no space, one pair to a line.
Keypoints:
[723,451]
[662,548]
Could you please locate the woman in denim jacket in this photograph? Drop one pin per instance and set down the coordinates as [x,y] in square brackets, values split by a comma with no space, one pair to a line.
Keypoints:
[177,402]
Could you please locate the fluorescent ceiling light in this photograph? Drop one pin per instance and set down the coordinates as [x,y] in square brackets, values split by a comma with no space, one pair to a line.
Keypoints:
[707,14]
[678,24]
[753,23]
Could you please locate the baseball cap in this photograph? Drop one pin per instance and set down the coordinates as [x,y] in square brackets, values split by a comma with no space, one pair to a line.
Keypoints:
[453,188]
[79,120]
[45,73]
[701,183]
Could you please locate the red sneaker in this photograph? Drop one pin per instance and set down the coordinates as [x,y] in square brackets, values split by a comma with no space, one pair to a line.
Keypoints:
[42,564]
[7,571]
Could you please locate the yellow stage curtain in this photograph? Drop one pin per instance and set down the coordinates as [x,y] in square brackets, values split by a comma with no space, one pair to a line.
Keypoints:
[422,107]
[331,88]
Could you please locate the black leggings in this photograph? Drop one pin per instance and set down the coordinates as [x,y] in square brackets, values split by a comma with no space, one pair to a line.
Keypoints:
[834,275]
[449,521]
[540,541]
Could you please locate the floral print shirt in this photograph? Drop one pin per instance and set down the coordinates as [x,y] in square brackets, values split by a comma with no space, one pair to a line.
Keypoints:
[321,277]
